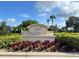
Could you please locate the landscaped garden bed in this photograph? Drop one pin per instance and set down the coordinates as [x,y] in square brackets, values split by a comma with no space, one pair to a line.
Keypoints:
[65,42]
[40,46]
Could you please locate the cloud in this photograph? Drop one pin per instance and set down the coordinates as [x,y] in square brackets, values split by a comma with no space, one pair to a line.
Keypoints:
[25,15]
[63,18]
[42,15]
[61,8]
[61,25]
[11,20]
[1,20]
[67,8]
[17,23]
[44,6]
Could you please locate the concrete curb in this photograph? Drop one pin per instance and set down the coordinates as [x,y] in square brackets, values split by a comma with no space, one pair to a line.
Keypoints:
[60,54]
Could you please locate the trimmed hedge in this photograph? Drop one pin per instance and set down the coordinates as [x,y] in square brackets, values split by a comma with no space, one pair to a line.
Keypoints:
[70,38]
[6,40]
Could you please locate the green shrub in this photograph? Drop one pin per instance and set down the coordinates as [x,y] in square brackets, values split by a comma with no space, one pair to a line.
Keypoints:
[70,38]
[6,40]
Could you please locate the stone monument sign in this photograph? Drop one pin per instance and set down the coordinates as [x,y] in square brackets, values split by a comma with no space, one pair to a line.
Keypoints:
[37,29]
[37,32]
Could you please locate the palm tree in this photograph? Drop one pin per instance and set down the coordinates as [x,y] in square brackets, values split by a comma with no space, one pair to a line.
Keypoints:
[48,20]
[52,17]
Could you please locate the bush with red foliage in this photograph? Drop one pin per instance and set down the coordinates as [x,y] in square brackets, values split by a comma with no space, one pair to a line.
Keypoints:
[37,46]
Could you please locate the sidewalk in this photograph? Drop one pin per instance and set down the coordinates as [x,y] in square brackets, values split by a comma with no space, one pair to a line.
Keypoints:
[4,52]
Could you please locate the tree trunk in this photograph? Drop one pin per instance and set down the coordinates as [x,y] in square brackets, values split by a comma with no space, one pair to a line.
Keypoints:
[52,24]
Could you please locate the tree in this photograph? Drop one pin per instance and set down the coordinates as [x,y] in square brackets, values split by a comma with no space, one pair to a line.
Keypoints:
[76,27]
[26,23]
[14,29]
[73,22]
[48,20]
[64,29]
[52,18]
[55,28]
[3,28]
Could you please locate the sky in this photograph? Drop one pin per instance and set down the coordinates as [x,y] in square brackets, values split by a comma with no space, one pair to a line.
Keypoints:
[14,12]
